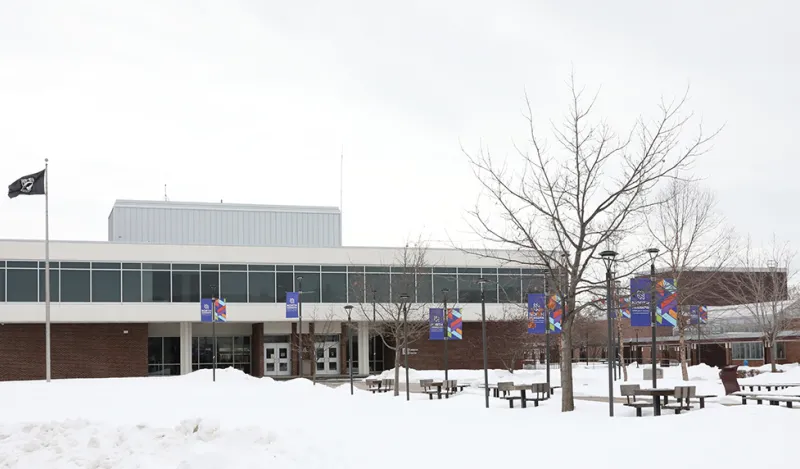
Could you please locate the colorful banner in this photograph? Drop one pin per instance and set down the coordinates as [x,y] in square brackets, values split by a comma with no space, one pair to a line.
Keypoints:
[220,310]
[624,308]
[454,324]
[666,303]
[206,308]
[436,324]
[292,300]
[536,307]
[698,313]
[640,302]
[555,313]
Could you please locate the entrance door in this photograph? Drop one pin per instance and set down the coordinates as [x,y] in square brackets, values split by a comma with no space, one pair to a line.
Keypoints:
[327,357]
[277,360]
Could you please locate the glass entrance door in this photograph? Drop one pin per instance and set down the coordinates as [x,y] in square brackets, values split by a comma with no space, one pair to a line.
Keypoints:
[327,357]
[277,360]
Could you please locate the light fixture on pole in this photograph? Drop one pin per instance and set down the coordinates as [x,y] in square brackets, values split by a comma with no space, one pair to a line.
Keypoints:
[608,259]
[375,337]
[445,291]
[482,281]
[214,332]
[653,253]
[404,305]
[300,326]
[349,309]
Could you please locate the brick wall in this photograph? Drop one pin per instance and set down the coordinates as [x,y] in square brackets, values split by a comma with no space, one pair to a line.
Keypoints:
[78,351]
[257,350]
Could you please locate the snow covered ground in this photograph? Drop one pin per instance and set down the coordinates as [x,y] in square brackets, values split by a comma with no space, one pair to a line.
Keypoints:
[242,422]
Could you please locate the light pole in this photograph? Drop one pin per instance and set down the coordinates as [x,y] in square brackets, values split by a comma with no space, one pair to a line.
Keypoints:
[349,308]
[214,332]
[375,338]
[300,326]
[608,259]
[445,291]
[404,304]
[482,281]
[547,327]
[653,253]
[564,306]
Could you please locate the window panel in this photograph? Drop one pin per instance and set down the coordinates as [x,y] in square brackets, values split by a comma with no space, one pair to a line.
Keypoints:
[534,284]
[334,288]
[191,267]
[75,286]
[284,268]
[186,287]
[155,351]
[334,268]
[106,286]
[235,267]
[2,284]
[490,287]
[210,267]
[131,286]
[53,285]
[445,281]
[403,283]
[22,284]
[105,265]
[156,286]
[425,289]
[261,268]
[355,289]
[131,266]
[262,287]
[509,286]
[310,287]
[72,265]
[284,283]
[469,291]
[209,284]
[205,350]
[26,264]
[241,349]
[233,286]
[172,350]
[379,283]
[225,349]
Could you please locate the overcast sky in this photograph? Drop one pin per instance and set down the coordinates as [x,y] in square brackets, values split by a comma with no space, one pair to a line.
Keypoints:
[253,101]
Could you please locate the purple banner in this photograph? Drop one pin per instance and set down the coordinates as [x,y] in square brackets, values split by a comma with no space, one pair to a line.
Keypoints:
[536,319]
[436,324]
[640,302]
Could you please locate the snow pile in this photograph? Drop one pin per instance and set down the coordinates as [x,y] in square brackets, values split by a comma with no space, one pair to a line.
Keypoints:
[190,422]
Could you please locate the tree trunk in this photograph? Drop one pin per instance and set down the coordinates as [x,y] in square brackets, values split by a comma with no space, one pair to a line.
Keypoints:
[397,362]
[773,354]
[567,398]
[682,353]
[621,350]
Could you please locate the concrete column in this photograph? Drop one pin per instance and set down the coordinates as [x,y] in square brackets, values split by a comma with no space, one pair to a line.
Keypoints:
[363,348]
[186,347]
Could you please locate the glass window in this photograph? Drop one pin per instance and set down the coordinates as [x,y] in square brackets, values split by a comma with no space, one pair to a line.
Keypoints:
[131,265]
[310,287]
[284,268]
[509,286]
[355,290]
[186,267]
[233,286]
[379,283]
[156,286]
[155,351]
[172,350]
[71,265]
[209,267]
[402,283]
[131,286]
[262,287]
[425,289]
[225,350]
[334,288]
[2,284]
[209,284]
[747,351]
[446,281]
[205,350]
[106,286]
[284,283]
[195,346]
[241,349]
[105,265]
[261,268]
[469,291]
[236,267]
[75,286]
[469,270]
[152,266]
[27,264]
[334,268]
[53,285]
[490,287]
[22,284]
[186,287]
[534,284]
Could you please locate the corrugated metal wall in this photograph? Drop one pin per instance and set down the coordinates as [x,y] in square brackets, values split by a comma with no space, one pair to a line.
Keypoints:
[221,226]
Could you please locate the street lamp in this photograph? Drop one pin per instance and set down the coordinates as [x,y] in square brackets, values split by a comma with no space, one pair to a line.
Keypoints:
[445,291]
[482,281]
[653,253]
[608,260]
[214,332]
[300,326]
[374,338]
[349,309]
[404,305]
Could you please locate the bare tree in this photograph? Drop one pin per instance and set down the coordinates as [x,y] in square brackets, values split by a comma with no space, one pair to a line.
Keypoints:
[761,286]
[509,341]
[620,292]
[322,324]
[397,321]
[575,201]
[690,233]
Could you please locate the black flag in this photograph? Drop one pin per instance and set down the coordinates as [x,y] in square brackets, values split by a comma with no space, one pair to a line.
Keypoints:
[32,184]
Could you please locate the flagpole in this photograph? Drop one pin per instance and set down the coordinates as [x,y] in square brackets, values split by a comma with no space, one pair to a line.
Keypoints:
[46,271]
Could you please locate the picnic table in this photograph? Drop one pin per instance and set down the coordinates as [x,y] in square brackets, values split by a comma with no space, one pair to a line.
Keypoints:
[379,385]
[496,391]
[769,386]
[539,392]
[657,394]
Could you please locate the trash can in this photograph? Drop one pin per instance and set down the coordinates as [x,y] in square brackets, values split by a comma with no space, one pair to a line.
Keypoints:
[728,375]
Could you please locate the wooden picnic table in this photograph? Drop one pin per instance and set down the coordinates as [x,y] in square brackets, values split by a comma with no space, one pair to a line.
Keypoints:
[657,394]
[523,389]
[769,386]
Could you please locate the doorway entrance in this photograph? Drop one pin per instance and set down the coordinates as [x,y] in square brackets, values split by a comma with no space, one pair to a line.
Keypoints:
[277,359]
[327,353]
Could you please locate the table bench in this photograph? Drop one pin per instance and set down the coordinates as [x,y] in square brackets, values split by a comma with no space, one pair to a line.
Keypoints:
[760,398]
[629,392]
[702,398]
[769,386]
[538,390]
[380,385]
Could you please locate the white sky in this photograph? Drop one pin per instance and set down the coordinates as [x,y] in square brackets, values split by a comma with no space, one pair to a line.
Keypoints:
[252,101]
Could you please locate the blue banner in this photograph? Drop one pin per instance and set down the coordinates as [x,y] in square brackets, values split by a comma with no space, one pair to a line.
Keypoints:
[292,301]
[536,308]
[436,324]
[640,302]
[698,314]
[206,310]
